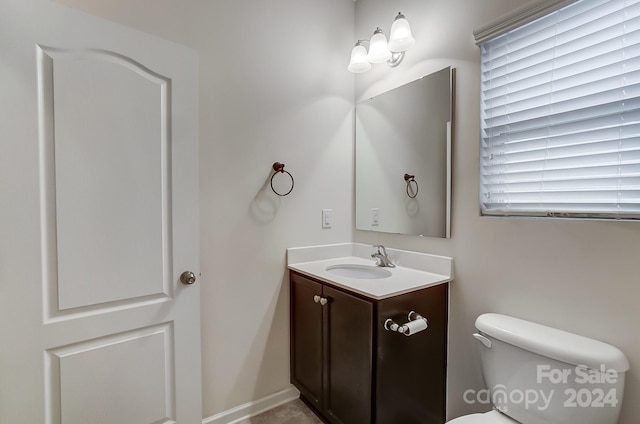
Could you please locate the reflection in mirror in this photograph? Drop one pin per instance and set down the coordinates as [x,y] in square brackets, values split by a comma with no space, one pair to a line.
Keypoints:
[403,158]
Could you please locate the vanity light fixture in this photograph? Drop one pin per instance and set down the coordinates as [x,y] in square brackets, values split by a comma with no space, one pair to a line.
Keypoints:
[381,50]
[378,47]
[359,62]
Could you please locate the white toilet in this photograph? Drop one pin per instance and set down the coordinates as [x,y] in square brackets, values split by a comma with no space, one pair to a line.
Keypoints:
[540,375]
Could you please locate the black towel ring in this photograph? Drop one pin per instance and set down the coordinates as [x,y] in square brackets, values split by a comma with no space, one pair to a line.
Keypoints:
[411,179]
[279,168]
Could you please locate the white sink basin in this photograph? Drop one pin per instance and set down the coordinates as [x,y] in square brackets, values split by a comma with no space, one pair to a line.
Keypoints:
[366,272]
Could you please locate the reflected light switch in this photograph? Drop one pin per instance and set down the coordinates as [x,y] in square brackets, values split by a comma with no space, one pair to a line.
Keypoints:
[375,217]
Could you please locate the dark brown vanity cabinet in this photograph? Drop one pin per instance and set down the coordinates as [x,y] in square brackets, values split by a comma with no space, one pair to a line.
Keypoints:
[332,346]
[353,371]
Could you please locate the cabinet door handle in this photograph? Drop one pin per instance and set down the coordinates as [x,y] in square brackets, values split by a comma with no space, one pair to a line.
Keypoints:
[316,299]
[323,301]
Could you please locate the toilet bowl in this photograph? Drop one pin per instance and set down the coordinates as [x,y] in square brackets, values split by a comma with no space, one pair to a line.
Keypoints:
[539,375]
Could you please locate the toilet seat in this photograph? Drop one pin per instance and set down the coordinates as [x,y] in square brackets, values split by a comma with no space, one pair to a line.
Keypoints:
[493,417]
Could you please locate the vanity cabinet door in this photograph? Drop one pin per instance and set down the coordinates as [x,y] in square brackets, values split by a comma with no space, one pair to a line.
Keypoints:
[349,354]
[411,372]
[306,338]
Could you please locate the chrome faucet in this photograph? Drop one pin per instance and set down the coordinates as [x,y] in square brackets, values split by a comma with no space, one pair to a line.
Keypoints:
[381,257]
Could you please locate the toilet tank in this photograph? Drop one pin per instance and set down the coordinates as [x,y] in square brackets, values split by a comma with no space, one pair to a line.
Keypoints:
[541,375]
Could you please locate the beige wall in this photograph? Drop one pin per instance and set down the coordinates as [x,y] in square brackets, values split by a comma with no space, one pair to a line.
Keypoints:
[578,276]
[273,86]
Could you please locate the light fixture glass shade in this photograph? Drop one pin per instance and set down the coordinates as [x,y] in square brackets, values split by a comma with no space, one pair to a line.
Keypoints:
[378,49]
[400,37]
[359,63]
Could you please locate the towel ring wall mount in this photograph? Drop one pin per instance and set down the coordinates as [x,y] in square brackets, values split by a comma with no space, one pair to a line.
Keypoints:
[411,179]
[278,168]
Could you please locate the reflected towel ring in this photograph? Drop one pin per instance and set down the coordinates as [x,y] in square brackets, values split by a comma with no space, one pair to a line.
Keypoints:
[279,168]
[411,179]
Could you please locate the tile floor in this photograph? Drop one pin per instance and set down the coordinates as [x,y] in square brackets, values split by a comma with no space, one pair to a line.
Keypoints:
[294,412]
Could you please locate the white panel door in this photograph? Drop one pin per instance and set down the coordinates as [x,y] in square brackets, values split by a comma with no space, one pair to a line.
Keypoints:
[98,220]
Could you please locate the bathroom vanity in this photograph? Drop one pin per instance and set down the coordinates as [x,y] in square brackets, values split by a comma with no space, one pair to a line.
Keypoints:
[350,367]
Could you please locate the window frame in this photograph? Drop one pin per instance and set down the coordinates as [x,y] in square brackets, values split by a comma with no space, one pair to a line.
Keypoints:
[509,24]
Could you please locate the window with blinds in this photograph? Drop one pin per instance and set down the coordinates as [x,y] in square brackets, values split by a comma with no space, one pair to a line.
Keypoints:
[560,114]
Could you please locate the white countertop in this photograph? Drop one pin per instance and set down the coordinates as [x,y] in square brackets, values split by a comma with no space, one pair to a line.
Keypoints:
[313,261]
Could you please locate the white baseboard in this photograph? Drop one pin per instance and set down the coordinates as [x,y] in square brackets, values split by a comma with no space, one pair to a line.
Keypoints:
[250,409]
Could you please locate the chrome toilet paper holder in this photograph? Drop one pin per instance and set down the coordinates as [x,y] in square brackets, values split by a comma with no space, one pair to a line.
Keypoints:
[416,324]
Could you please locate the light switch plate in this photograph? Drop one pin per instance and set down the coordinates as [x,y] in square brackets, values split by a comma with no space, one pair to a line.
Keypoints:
[327,218]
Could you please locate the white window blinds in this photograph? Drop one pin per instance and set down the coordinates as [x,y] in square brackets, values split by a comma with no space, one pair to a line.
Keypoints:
[560,114]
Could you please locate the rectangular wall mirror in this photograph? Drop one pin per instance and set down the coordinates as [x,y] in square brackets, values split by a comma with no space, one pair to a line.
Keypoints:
[403,158]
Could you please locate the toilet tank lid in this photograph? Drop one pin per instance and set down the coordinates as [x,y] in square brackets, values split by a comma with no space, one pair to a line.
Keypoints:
[552,343]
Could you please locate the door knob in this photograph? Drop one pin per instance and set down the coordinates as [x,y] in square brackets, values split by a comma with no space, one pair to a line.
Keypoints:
[187,278]
[316,298]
